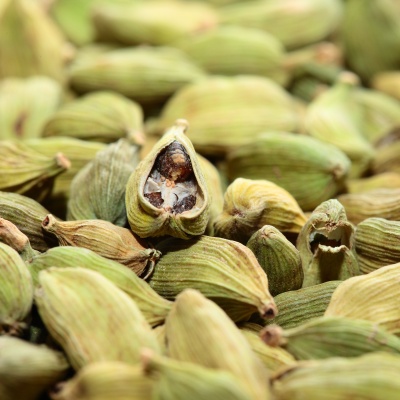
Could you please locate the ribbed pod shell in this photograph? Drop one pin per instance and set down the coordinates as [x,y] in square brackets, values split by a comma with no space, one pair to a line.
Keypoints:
[384,180]
[310,170]
[145,219]
[153,307]
[90,300]
[373,297]
[223,270]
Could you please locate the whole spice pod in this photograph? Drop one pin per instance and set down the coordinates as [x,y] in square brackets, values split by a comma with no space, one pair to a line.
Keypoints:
[236,50]
[103,116]
[223,270]
[98,189]
[227,112]
[27,370]
[27,214]
[384,180]
[26,54]
[23,113]
[152,22]
[294,22]
[251,204]
[341,378]
[336,117]
[153,307]
[105,380]
[215,343]
[369,34]
[90,300]
[326,337]
[16,291]
[387,156]
[296,307]
[310,170]
[372,297]
[376,243]
[326,245]
[167,193]
[144,74]
[28,172]
[387,82]
[279,258]
[378,203]
[106,239]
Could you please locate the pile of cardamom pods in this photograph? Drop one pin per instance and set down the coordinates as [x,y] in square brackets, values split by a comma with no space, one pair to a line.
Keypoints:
[199,200]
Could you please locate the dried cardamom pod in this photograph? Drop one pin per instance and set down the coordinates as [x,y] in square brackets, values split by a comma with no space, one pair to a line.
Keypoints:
[152,22]
[295,24]
[326,337]
[251,204]
[376,243]
[372,376]
[27,371]
[379,203]
[101,116]
[98,189]
[23,113]
[145,74]
[299,306]
[384,180]
[228,112]
[153,307]
[105,380]
[215,343]
[27,214]
[310,170]
[387,82]
[279,258]
[28,172]
[372,297]
[240,50]
[387,155]
[167,193]
[106,239]
[16,291]
[90,300]
[326,245]
[223,270]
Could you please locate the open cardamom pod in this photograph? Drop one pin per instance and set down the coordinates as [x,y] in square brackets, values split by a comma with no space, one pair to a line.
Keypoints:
[167,193]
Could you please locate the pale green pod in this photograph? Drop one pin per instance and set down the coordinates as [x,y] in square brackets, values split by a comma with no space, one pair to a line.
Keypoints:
[28,172]
[103,116]
[383,180]
[279,258]
[214,343]
[167,194]
[27,214]
[144,74]
[299,306]
[88,301]
[236,50]
[16,291]
[310,170]
[387,156]
[378,203]
[30,42]
[98,189]
[336,117]
[227,112]
[153,307]
[326,337]
[326,245]
[23,112]
[372,376]
[294,22]
[153,22]
[107,380]
[372,297]
[223,270]
[27,371]
[387,82]
[251,204]
[377,243]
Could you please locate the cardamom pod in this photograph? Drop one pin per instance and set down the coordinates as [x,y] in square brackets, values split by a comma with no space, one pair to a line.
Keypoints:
[384,180]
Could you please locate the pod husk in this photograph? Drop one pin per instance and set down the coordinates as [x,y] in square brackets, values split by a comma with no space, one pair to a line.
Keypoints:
[147,220]
[384,180]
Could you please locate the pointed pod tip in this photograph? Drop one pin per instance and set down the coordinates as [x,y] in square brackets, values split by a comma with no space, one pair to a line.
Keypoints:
[183,123]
